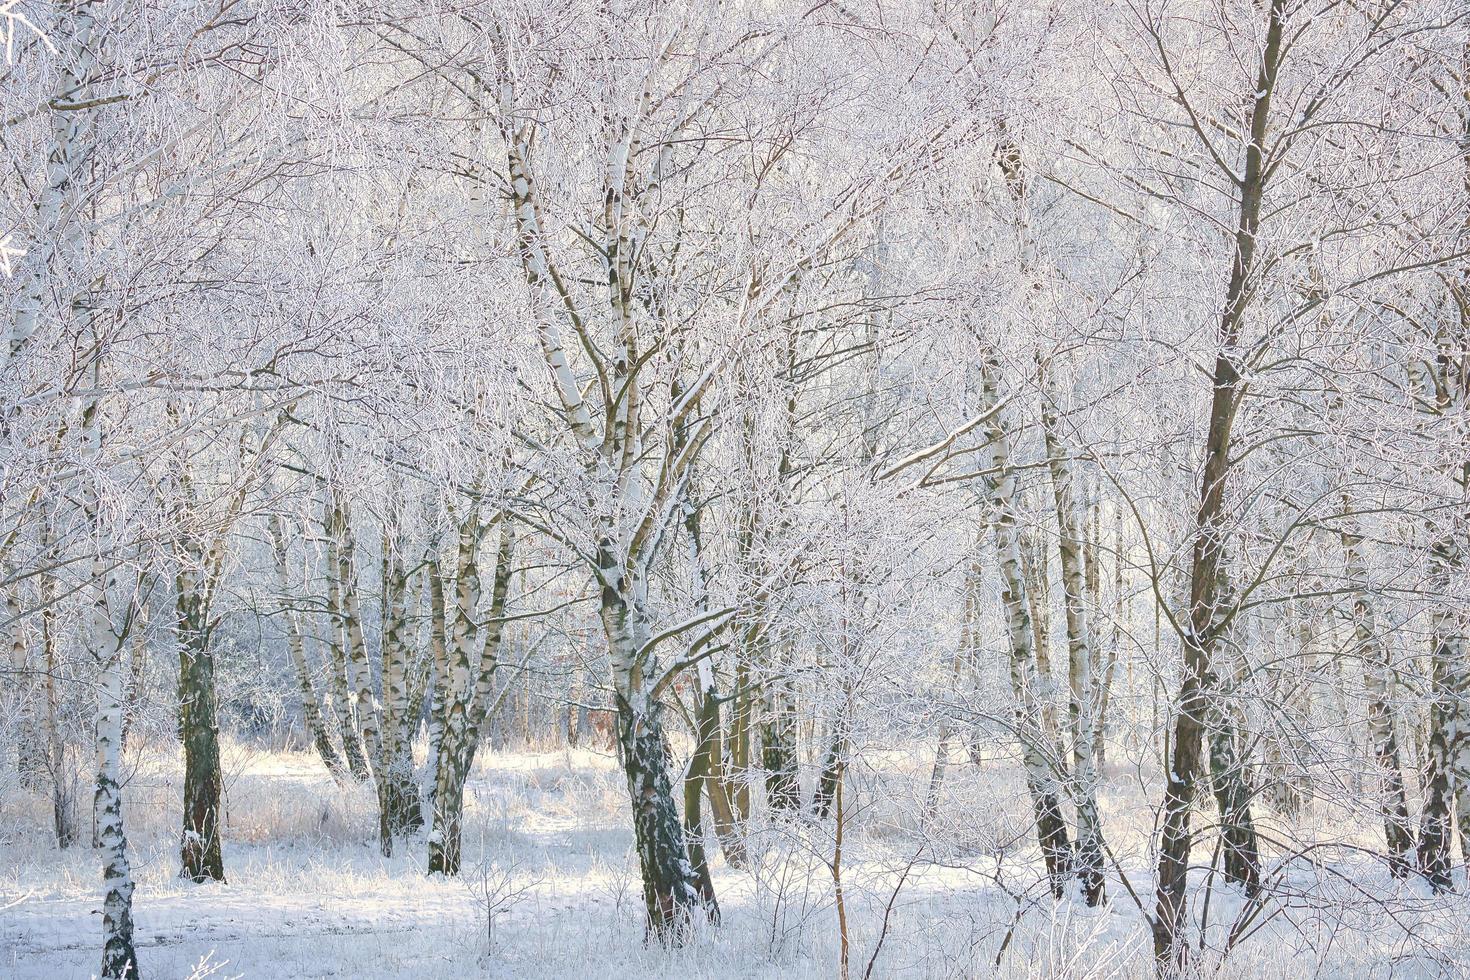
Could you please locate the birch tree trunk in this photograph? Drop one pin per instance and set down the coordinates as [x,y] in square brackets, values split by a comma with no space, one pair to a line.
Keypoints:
[311,709]
[1446,387]
[1378,676]
[670,886]
[62,237]
[105,635]
[962,670]
[119,958]
[365,708]
[65,237]
[631,508]
[1041,782]
[453,695]
[60,233]
[438,671]
[400,796]
[337,646]
[1082,656]
[469,696]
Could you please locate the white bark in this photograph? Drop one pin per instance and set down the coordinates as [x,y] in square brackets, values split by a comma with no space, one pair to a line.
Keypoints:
[1025,683]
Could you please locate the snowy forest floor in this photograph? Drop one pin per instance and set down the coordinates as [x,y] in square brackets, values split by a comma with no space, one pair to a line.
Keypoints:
[310,896]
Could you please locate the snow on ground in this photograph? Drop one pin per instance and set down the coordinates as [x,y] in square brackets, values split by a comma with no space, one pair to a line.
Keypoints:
[309,895]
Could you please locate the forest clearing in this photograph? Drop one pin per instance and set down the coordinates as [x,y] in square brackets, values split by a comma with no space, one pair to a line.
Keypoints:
[549,889]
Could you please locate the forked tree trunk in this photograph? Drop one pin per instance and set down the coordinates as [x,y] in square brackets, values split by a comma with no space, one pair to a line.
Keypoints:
[670,888]
[615,454]
[705,775]
[469,697]
[455,685]
[719,789]
[400,795]
[366,711]
[337,647]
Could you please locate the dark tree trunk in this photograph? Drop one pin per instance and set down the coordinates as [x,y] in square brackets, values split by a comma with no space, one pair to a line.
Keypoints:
[401,798]
[670,887]
[738,749]
[1182,766]
[444,845]
[778,751]
[1206,570]
[200,853]
[696,779]
[1232,797]
[1051,833]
